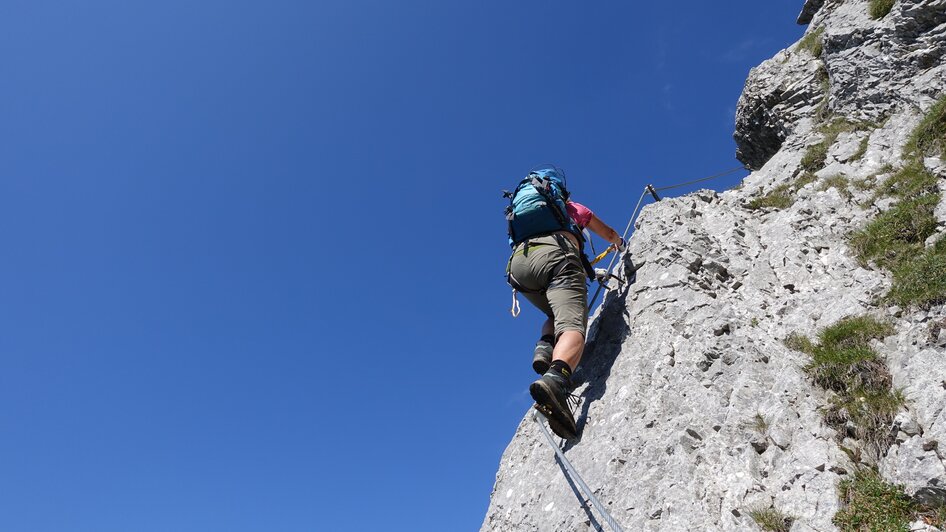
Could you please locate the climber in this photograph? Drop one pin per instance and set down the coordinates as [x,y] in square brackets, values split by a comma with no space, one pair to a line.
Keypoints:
[548,266]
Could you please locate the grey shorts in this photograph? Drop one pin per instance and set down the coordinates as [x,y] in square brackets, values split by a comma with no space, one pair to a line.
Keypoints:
[549,274]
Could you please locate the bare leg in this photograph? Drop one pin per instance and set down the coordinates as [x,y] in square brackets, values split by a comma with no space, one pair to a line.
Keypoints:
[548,328]
[568,348]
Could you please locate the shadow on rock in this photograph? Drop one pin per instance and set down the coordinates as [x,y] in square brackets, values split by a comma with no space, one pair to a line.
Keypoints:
[603,348]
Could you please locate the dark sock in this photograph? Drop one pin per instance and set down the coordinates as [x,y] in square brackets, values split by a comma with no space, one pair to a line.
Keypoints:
[562,369]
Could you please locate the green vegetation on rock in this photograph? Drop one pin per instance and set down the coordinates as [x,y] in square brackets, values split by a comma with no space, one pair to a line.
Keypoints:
[771,520]
[799,342]
[929,138]
[873,504]
[911,181]
[843,362]
[782,196]
[813,42]
[779,197]
[816,154]
[853,332]
[898,234]
[861,149]
[921,280]
[897,238]
[839,182]
[879,8]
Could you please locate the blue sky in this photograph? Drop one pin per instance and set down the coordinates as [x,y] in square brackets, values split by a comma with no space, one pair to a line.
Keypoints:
[253,252]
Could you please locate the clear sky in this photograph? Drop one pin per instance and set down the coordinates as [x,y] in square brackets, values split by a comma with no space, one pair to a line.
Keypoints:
[252,271]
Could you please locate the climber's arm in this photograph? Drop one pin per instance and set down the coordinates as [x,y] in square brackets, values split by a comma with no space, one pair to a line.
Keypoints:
[605,231]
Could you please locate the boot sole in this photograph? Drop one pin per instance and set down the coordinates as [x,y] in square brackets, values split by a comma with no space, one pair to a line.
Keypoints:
[560,430]
[548,406]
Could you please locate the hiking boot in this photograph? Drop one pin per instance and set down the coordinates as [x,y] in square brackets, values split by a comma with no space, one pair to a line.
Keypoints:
[551,399]
[542,357]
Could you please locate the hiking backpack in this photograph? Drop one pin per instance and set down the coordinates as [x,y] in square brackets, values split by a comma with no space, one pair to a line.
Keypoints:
[537,206]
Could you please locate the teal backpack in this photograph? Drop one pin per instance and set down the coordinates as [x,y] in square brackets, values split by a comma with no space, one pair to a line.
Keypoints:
[537,206]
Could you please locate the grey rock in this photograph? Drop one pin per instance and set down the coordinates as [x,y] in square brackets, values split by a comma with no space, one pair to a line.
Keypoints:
[808,11]
[905,422]
[912,463]
[759,443]
[873,68]
[778,94]
[921,526]
[930,497]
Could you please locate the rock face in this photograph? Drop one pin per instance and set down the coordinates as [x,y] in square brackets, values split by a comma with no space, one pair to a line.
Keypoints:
[867,70]
[780,93]
[693,411]
[808,10]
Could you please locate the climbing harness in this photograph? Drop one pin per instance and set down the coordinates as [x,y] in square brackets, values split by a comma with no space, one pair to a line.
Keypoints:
[574,474]
[650,189]
[515,304]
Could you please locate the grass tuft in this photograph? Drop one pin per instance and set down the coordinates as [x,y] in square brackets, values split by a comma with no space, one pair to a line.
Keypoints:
[879,8]
[897,235]
[799,342]
[861,149]
[782,196]
[873,504]
[921,281]
[854,332]
[896,239]
[937,517]
[911,181]
[843,362]
[929,138]
[803,181]
[771,519]
[868,183]
[779,197]
[760,424]
[813,42]
[815,156]
[866,415]
[840,182]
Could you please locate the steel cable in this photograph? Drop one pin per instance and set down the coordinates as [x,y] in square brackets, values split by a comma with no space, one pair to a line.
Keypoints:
[574,474]
[727,172]
[637,210]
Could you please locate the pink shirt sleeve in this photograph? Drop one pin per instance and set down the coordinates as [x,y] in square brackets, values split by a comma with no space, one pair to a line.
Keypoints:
[578,212]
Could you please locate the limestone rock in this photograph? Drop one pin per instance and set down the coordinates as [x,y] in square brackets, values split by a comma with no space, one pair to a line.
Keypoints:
[778,94]
[808,11]
[871,69]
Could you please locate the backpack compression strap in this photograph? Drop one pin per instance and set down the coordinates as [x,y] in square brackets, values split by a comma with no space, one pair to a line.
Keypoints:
[543,186]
